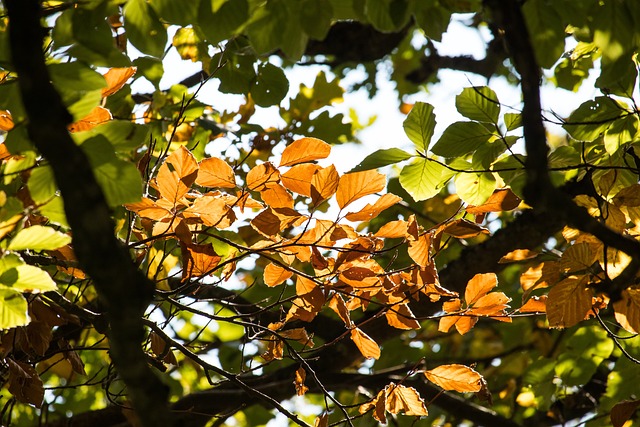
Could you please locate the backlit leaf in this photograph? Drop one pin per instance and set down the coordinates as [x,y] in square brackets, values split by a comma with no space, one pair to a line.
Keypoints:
[38,238]
[479,286]
[304,150]
[424,178]
[381,158]
[355,185]
[306,307]
[261,175]
[569,302]
[627,310]
[25,383]
[455,378]
[518,255]
[464,229]
[324,184]
[275,275]
[298,178]
[502,199]
[420,249]
[535,305]
[13,309]
[276,196]
[462,138]
[368,347]
[298,382]
[6,121]
[177,174]
[116,78]
[337,304]
[419,125]
[400,316]
[198,260]
[405,399]
[479,103]
[217,173]
[97,116]
[371,211]
[393,229]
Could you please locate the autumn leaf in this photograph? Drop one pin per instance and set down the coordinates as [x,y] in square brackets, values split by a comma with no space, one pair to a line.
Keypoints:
[177,174]
[116,78]
[271,221]
[455,378]
[356,185]
[216,173]
[493,305]
[479,286]
[304,285]
[539,276]
[147,208]
[463,229]
[275,275]
[337,304]
[198,260]
[324,184]
[304,150]
[298,334]
[276,196]
[367,346]
[378,404]
[306,307]
[420,249]
[24,383]
[96,117]
[502,199]
[275,350]
[393,229]
[212,210]
[518,255]
[322,420]
[463,324]
[6,121]
[577,258]
[371,211]
[400,316]
[623,411]
[535,305]
[627,310]
[569,302]
[404,399]
[298,382]
[261,175]
[298,178]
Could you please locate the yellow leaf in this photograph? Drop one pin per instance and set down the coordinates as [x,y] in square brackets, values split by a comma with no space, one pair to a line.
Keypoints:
[304,285]
[355,185]
[96,117]
[455,378]
[275,275]
[569,302]
[298,178]
[324,184]
[420,249]
[298,382]
[378,405]
[147,208]
[116,78]
[627,310]
[492,304]
[577,257]
[305,150]
[368,347]
[405,399]
[629,196]
[259,176]
[400,316]
[371,211]
[479,286]
[177,174]
[217,173]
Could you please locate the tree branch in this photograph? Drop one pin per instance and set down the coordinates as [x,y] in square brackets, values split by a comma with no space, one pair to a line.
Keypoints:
[124,290]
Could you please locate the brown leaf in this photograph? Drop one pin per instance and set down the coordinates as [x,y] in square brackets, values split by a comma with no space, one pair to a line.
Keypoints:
[371,211]
[378,405]
[217,173]
[368,347]
[627,310]
[518,255]
[540,276]
[577,258]
[298,334]
[405,399]
[502,199]
[455,378]
[629,196]
[24,383]
[96,117]
[623,411]
[304,150]
[337,304]
[275,275]
[116,78]
[306,307]
[147,208]
[198,260]
[271,221]
[355,185]
[493,305]
[177,174]
[400,316]
[298,382]
[275,350]
[569,302]
[463,229]
[322,420]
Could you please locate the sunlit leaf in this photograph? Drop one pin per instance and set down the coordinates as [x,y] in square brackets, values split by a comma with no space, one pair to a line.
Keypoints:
[275,275]
[627,310]
[479,286]
[38,238]
[393,229]
[419,125]
[501,200]
[298,178]
[116,78]
[367,346]
[261,175]
[324,184]
[97,116]
[298,382]
[424,178]
[479,103]
[455,378]
[198,260]
[381,158]
[215,172]
[276,196]
[355,185]
[400,317]
[177,174]
[304,150]
[371,211]
[569,302]
[13,309]
[420,249]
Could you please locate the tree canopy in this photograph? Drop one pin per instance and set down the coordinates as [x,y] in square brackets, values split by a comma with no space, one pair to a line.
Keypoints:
[169,261]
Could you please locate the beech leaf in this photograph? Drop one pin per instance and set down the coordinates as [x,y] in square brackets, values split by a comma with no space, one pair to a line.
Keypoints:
[355,185]
[367,346]
[455,378]
[305,150]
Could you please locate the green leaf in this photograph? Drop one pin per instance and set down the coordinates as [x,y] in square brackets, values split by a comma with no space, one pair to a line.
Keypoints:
[266,30]
[122,134]
[387,15]
[380,158]
[144,29]
[583,353]
[177,12]
[569,73]
[54,211]
[42,184]
[326,127]
[592,118]
[17,275]
[236,73]
[315,18]
[419,125]
[424,178]
[271,85]
[512,121]
[150,68]
[13,309]
[220,21]
[38,238]
[612,27]
[546,31]
[119,179]
[618,76]
[622,131]
[479,103]
[462,138]
[432,18]
[475,188]
[79,85]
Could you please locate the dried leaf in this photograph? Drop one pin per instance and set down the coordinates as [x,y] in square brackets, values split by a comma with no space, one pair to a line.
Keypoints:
[322,420]
[420,249]
[367,346]
[355,185]
[378,405]
[276,196]
[116,78]
[405,399]
[400,316]
[177,174]
[371,211]
[627,310]
[569,302]
[198,260]
[298,334]
[623,411]
[518,255]
[306,307]
[535,305]
[6,121]
[298,178]
[324,184]
[96,117]
[337,304]
[261,175]
[493,305]
[275,275]
[577,258]
[304,285]
[271,221]
[24,383]
[212,210]
[502,199]
[629,196]
[540,276]
[275,350]
[298,382]
[455,378]
[217,173]
[147,208]
[305,150]
[463,229]
[479,286]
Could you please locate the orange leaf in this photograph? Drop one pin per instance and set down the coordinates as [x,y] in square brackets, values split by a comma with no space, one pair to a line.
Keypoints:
[378,405]
[535,305]
[393,229]
[259,176]
[298,178]
[569,302]
[463,229]
[540,276]
[405,399]
[455,378]
[116,79]
[492,304]
[368,347]
[305,150]
[276,196]
[518,255]
[479,286]
[6,121]
[147,208]
[306,306]
[337,304]
[212,210]
[322,420]
[298,382]
[371,211]
[298,334]
[271,221]
[275,275]
[304,285]
[96,117]
[217,173]
[275,350]
[198,260]
[463,324]
[420,249]
[355,185]
[177,174]
[324,184]
[503,199]
[400,317]
[627,310]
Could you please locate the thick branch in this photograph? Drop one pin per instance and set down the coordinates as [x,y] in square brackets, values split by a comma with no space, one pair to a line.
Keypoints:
[124,290]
